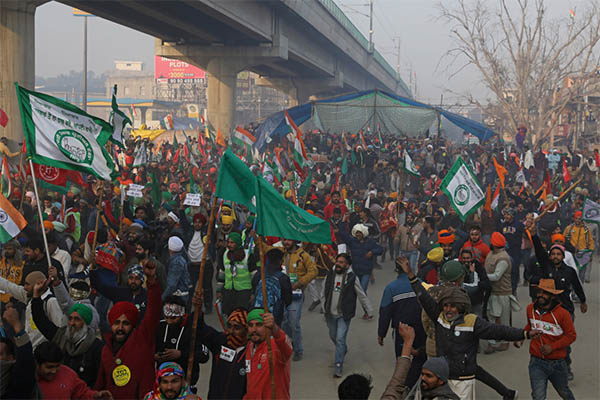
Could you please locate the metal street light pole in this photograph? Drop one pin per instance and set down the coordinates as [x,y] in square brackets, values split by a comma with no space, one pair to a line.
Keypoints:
[371,27]
[84,96]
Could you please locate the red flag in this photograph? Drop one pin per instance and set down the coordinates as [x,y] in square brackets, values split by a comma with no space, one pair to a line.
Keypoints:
[565,172]
[3,118]
[488,200]
[597,158]
[176,157]
[52,175]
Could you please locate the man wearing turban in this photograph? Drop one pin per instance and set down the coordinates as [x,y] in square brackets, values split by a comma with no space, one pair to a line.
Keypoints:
[170,383]
[127,362]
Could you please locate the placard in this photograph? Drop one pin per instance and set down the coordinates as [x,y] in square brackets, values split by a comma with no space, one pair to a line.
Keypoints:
[135,190]
[192,199]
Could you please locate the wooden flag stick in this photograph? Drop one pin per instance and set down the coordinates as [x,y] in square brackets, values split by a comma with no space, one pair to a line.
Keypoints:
[562,196]
[198,308]
[37,196]
[263,276]
[98,211]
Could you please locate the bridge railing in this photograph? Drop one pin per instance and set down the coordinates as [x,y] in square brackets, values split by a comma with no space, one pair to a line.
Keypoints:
[343,19]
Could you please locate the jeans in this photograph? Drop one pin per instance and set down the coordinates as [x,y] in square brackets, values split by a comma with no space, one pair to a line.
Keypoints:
[338,330]
[364,281]
[413,258]
[515,258]
[291,322]
[542,371]
[207,290]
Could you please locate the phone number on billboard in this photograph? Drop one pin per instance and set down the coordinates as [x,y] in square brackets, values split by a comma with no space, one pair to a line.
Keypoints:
[185,80]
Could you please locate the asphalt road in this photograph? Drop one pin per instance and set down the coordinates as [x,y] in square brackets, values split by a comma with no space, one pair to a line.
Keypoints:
[312,378]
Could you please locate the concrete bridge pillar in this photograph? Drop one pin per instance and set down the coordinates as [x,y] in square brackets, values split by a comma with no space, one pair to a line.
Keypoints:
[222,79]
[17,60]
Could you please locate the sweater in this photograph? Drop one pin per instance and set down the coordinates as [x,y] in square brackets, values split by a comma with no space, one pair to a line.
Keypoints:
[501,283]
[558,331]
[65,385]
[137,354]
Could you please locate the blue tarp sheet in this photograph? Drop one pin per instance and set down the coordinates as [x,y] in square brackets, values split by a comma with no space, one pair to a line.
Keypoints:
[274,126]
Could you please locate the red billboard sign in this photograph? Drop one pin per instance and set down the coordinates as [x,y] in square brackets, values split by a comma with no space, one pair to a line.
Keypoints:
[176,71]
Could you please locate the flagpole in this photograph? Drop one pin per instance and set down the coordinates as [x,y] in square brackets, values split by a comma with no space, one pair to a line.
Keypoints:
[266,309]
[562,196]
[40,214]
[98,211]
[199,289]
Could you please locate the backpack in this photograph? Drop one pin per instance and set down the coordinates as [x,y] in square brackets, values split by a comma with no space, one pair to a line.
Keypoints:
[274,301]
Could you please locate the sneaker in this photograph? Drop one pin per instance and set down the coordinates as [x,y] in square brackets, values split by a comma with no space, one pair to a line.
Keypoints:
[502,347]
[514,394]
[297,357]
[314,305]
[338,370]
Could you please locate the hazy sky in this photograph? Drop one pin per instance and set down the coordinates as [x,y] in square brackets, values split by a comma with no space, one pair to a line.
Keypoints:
[424,40]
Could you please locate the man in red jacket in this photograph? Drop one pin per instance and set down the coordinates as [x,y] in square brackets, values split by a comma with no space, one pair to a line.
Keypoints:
[261,326]
[336,202]
[479,249]
[549,351]
[127,364]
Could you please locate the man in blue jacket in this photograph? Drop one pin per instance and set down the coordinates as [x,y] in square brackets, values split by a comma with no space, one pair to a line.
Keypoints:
[363,251]
[399,304]
[178,277]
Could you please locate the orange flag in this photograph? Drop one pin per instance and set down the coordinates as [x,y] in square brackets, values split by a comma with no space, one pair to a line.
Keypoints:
[500,170]
[488,200]
[220,139]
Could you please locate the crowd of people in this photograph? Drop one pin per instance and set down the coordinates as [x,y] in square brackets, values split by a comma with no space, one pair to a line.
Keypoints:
[113,305]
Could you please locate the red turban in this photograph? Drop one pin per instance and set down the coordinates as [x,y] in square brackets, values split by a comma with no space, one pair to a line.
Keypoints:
[578,214]
[498,240]
[123,307]
[445,237]
[200,217]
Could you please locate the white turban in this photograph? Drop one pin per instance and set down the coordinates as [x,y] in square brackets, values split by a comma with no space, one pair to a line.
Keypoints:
[360,228]
[175,244]
[173,216]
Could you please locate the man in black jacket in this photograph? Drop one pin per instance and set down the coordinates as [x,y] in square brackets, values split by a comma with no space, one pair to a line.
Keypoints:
[228,372]
[457,332]
[173,339]
[339,296]
[275,279]
[82,349]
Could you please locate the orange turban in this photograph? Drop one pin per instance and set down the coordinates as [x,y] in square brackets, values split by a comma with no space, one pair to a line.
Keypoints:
[445,237]
[48,225]
[557,237]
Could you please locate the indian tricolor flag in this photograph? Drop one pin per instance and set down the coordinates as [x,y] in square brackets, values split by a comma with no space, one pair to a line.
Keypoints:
[278,163]
[11,221]
[299,149]
[242,137]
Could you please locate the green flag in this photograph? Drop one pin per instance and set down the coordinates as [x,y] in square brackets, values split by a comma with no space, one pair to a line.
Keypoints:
[249,156]
[303,189]
[175,143]
[236,182]
[155,189]
[118,120]
[279,217]
[345,165]
[61,135]
[462,189]
[409,165]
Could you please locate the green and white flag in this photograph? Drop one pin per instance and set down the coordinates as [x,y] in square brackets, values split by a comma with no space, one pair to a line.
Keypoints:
[463,190]
[409,165]
[591,211]
[61,135]
[118,121]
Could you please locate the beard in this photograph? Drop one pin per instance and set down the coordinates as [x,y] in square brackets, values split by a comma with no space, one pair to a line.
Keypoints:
[75,335]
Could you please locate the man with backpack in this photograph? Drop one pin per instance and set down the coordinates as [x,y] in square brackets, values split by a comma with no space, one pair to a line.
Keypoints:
[339,295]
[278,284]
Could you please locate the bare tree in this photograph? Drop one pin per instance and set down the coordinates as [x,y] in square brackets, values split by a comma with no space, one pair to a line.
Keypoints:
[534,65]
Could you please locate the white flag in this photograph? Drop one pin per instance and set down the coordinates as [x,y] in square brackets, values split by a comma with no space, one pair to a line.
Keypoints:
[61,135]
[409,165]
[591,211]
[463,190]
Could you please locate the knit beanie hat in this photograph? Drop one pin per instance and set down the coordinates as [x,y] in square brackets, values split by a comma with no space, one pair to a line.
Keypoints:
[452,271]
[559,247]
[439,366]
[84,312]
[235,238]
[455,295]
